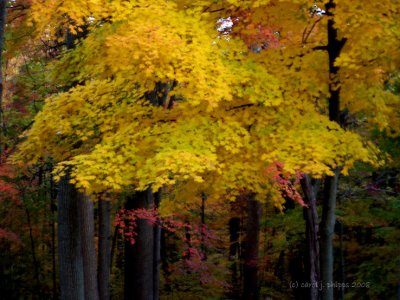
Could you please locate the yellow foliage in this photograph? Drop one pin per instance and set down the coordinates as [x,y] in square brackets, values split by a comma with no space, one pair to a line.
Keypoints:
[236,111]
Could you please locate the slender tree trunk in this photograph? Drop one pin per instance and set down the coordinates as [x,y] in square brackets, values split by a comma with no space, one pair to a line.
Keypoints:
[3,19]
[242,239]
[86,218]
[280,269]
[114,243]
[53,196]
[312,223]
[165,260]
[157,252]
[250,268]
[342,276]
[342,265]
[139,269]
[327,232]
[104,249]
[234,229]
[69,243]
[334,48]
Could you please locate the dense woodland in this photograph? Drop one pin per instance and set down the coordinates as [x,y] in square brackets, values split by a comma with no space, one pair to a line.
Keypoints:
[199,149]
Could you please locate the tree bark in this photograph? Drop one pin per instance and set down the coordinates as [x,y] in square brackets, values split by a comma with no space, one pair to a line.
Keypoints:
[114,243]
[139,268]
[104,249]
[69,243]
[77,254]
[86,218]
[334,49]
[165,261]
[53,196]
[342,277]
[234,228]
[327,232]
[157,252]
[311,217]
[250,268]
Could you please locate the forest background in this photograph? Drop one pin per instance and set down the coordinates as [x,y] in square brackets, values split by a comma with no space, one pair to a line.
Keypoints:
[199,149]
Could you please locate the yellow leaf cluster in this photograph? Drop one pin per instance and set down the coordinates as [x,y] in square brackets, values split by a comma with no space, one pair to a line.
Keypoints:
[236,112]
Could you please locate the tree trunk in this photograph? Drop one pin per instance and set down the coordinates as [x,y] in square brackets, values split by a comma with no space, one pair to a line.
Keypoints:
[234,228]
[157,252]
[311,217]
[327,232]
[53,196]
[104,250]
[334,48]
[165,261]
[69,243]
[114,244]
[250,268]
[342,277]
[341,271]
[86,218]
[139,269]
